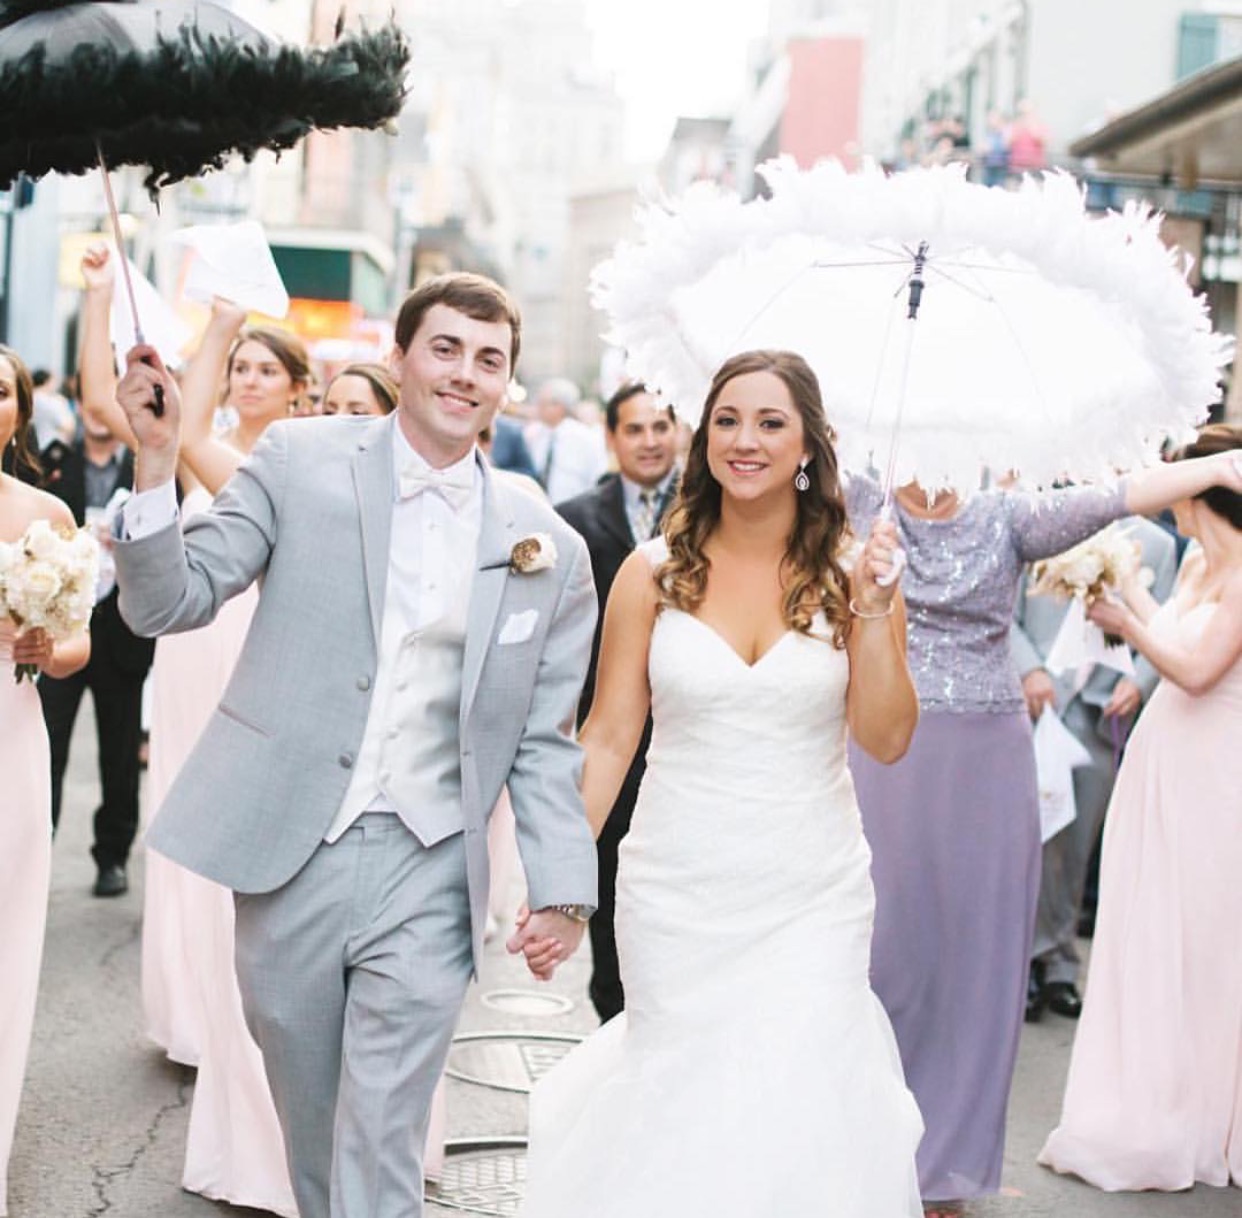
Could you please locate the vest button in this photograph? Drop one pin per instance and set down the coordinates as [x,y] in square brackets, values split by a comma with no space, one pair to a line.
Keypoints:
[346,760]
[364,683]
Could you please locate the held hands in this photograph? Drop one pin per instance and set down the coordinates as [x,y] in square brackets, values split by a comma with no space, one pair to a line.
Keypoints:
[878,569]
[546,938]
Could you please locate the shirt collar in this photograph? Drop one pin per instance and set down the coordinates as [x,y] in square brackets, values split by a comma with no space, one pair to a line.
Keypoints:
[404,456]
[632,490]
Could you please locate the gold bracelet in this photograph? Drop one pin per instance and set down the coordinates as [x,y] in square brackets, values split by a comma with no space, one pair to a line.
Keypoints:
[870,617]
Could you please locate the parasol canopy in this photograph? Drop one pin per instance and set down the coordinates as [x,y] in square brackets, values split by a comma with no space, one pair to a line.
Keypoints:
[953,327]
[175,85]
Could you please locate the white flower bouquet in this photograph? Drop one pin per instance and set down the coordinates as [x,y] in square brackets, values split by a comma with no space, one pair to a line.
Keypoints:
[1103,563]
[47,581]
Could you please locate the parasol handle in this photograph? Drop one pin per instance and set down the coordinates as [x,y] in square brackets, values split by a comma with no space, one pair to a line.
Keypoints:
[157,407]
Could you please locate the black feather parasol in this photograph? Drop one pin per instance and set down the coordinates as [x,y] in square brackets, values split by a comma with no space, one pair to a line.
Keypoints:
[176,86]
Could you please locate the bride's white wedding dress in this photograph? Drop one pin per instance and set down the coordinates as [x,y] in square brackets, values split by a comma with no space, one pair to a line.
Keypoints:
[753,1072]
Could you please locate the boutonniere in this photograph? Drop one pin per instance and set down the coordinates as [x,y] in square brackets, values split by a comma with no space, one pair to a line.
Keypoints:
[534,553]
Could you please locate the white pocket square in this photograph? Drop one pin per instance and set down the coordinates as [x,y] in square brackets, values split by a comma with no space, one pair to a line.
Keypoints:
[518,627]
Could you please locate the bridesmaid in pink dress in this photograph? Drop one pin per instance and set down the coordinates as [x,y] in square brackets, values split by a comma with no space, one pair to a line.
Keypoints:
[1154,1097]
[26,794]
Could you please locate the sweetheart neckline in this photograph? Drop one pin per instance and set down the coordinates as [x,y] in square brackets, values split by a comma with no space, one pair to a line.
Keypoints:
[720,638]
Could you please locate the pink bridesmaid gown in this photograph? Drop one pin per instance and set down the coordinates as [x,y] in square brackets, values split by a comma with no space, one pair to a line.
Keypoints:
[1154,1096]
[25,873]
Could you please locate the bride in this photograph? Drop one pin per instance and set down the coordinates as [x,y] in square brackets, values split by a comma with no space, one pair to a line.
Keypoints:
[753,1072]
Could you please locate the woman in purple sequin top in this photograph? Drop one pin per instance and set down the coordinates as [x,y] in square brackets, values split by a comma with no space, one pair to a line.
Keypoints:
[954,826]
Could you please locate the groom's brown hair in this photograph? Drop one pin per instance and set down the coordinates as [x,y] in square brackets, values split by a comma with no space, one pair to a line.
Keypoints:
[474,295]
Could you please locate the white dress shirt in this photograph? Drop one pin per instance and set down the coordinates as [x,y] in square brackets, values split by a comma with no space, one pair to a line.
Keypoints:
[570,457]
[431,561]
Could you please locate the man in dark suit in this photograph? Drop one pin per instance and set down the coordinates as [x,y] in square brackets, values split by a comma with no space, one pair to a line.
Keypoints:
[621,510]
[86,475]
[509,449]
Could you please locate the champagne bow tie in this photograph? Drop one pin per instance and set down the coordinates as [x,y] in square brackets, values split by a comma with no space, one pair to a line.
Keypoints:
[453,485]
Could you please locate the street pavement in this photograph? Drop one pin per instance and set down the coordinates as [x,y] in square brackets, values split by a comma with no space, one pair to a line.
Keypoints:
[103,1119]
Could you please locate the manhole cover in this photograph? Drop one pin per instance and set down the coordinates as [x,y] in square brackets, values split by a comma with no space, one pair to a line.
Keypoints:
[481,1176]
[507,1061]
[526,1002]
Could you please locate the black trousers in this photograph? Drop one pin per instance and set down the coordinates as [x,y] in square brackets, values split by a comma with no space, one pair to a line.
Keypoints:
[116,689]
[605,990]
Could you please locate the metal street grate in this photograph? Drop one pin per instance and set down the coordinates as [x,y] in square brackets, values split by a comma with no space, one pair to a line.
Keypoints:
[507,1061]
[482,1176]
[526,1002]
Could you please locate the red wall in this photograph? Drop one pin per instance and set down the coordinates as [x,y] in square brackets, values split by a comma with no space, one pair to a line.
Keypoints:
[825,95]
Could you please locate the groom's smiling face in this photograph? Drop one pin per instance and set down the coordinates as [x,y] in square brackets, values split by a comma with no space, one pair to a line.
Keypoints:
[454,376]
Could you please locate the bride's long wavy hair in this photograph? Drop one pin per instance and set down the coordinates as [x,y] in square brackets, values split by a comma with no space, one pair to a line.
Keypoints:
[812,574]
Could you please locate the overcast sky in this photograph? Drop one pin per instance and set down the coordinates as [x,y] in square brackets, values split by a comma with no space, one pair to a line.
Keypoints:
[674,57]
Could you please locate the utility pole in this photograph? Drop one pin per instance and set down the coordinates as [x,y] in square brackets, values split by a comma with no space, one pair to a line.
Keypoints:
[21,195]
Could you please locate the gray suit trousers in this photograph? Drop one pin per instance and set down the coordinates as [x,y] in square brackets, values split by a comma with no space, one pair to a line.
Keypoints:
[352,976]
[1066,855]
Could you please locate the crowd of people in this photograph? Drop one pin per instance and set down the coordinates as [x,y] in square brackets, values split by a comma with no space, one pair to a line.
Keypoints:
[1008,146]
[799,817]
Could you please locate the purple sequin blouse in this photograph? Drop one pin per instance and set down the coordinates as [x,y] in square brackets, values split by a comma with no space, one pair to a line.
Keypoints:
[962,581]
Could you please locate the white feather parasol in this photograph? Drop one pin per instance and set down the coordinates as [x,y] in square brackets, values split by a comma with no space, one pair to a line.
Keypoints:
[1048,341]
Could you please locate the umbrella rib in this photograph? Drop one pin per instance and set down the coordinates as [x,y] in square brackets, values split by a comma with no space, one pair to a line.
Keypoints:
[769,303]
[983,292]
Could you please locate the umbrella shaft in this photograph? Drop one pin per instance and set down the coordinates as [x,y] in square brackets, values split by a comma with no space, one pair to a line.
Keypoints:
[120,245]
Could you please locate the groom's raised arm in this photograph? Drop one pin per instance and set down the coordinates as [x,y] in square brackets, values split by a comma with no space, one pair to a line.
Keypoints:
[557,849]
[168,582]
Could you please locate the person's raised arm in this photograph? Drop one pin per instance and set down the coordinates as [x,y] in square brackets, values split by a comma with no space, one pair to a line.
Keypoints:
[1195,669]
[881,705]
[614,727]
[211,461]
[96,363]
[1148,491]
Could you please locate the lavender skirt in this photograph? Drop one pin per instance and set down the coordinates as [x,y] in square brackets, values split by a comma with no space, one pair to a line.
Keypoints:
[954,834]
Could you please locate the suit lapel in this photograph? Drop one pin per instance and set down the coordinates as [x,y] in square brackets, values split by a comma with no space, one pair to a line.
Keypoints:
[613,515]
[497,534]
[373,485]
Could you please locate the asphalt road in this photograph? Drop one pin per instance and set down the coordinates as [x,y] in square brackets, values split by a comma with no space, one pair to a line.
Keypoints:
[103,1118]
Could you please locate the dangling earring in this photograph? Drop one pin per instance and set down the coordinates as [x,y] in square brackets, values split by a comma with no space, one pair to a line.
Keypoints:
[802,481]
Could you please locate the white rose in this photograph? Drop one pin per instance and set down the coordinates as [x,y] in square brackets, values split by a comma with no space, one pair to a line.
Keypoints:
[1083,570]
[40,541]
[29,589]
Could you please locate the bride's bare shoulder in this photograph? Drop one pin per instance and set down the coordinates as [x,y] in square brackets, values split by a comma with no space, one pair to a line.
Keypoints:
[31,504]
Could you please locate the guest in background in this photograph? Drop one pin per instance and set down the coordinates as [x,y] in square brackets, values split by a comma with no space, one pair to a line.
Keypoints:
[622,511]
[1098,706]
[569,456]
[1154,1095]
[25,793]
[360,389]
[954,825]
[87,475]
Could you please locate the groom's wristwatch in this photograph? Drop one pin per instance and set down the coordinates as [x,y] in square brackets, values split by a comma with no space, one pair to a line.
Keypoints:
[579,913]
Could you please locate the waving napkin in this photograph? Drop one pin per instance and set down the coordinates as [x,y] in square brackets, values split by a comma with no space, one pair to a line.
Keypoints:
[1057,755]
[234,261]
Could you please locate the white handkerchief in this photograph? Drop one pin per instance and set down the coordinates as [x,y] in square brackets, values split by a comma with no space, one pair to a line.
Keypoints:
[234,261]
[1080,642]
[518,627]
[161,327]
[1058,754]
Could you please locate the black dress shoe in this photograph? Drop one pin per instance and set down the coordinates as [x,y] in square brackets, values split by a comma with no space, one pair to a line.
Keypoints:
[1063,998]
[111,881]
[1034,998]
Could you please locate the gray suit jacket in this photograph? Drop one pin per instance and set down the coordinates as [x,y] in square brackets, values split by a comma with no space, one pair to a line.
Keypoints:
[309,514]
[1038,618]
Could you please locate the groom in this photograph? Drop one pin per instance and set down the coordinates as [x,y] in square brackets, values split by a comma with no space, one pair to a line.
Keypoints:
[420,640]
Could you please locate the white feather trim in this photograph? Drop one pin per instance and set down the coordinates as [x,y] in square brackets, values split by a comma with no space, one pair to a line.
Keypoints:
[1049,341]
